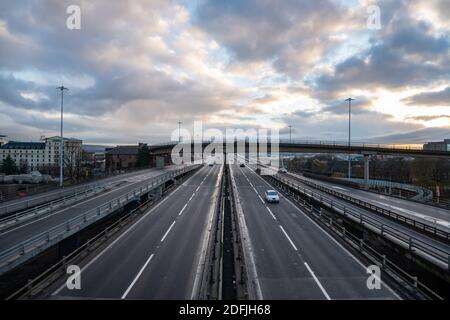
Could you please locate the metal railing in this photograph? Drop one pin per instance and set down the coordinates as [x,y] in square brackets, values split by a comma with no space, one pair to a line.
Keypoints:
[38,200]
[37,243]
[40,210]
[423,227]
[372,254]
[419,247]
[334,143]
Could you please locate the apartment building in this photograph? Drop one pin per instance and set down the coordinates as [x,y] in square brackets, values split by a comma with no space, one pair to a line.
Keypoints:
[43,155]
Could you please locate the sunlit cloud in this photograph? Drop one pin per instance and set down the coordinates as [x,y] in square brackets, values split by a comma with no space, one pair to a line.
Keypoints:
[137,68]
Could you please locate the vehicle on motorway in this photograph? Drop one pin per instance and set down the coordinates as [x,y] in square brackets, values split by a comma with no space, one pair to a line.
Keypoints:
[272,196]
[242,165]
[282,170]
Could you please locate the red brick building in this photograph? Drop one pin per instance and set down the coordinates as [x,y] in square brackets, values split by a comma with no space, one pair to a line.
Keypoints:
[121,157]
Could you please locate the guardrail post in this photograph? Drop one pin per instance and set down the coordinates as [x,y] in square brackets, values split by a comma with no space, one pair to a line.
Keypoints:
[361,244]
[64,263]
[415,280]
[30,286]
[68,226]
[410,244]
[343,231]
[384,260]
[48,236]
[382,229]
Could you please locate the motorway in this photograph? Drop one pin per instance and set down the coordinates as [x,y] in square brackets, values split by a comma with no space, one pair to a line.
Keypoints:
[294,257]
[40,198]
[417,210]
[436,247]
[160,256]
[23,231]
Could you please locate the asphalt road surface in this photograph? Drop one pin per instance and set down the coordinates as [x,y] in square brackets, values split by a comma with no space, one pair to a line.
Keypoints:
[416,210]
[14,235]
[294,257]
[160,255]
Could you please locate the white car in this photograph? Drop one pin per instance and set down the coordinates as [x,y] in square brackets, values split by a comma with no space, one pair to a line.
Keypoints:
[283,170]
[272,196]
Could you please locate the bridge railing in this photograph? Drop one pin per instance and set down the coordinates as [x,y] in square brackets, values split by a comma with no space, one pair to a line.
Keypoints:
[335,143]
[403,218]
[359,144]
[38,243]
[36,211]
[38,200]
[427,250]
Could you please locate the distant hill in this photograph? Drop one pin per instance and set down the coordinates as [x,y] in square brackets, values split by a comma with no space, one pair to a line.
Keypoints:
[94,148]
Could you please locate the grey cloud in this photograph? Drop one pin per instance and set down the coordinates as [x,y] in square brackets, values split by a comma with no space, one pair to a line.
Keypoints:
[415,136]
[272,30]
[404,53]
[439,98]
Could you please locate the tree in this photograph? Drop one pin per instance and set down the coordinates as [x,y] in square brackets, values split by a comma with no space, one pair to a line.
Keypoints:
[9,166]
[143,158]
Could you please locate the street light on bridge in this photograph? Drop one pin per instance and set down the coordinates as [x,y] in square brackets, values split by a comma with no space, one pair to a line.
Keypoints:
[61,145]
[290,133]
[349,137]
[179,131]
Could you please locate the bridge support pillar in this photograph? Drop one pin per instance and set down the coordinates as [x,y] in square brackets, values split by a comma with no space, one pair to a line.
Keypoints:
[366,170]
[155,194]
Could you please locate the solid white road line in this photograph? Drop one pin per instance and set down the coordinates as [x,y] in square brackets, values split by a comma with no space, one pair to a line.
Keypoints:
[292,243]
[206,236]
[331,238]
[127,231]
[137,277]
[318,282]
[75,205]
[167,232]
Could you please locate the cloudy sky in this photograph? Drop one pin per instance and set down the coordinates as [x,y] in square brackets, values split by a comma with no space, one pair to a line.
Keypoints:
[136,68]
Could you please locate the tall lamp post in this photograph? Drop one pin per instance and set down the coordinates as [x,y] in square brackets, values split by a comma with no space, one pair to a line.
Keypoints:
[349,137]
[61,145]
[290,133]
[179,131]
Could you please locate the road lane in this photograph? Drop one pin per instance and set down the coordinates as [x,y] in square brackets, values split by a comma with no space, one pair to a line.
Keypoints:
[52,195]
[17,234]
[416,210]
[156,258]
[295,258]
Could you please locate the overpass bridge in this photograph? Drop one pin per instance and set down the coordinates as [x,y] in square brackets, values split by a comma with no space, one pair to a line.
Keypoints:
[311,146]
[306,146]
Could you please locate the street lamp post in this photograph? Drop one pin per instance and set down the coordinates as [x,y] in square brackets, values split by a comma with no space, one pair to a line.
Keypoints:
[349,137]
[61,145]
[290,133]
[179,131]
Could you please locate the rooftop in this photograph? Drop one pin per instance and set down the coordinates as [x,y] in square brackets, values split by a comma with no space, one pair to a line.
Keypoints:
[23,145]
[58,138]
[123,150]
